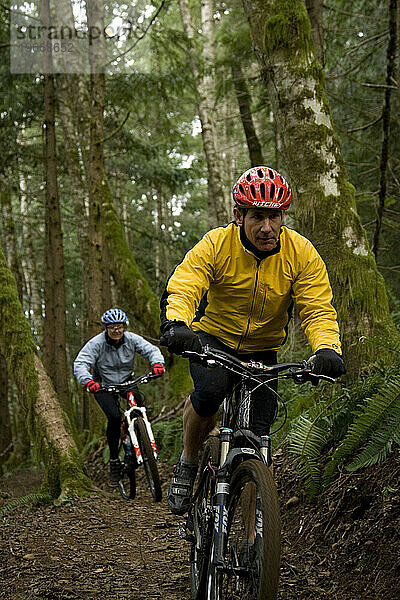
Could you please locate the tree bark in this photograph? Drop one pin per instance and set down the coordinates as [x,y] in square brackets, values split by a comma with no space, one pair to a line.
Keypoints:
[99,285]
[54,354]
[324,199]
[48,431]
[9,238]
[386,116]
[6,443]
[314,9]
[244,102]
[205,93]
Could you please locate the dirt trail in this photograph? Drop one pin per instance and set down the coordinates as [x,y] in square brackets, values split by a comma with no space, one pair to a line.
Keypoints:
[103,547]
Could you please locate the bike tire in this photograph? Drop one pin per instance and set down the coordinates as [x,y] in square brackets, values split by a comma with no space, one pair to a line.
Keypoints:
[127,483]
[201,517]
[149,461]
[249,573]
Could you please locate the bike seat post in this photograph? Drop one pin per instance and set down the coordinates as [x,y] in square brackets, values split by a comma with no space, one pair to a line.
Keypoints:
[226,435]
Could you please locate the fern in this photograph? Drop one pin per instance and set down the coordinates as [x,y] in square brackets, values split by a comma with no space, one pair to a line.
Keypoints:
[33,499]
[306,440]
[376,427]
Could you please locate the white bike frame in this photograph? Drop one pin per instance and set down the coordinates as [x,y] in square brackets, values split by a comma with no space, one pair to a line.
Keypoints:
[131,418]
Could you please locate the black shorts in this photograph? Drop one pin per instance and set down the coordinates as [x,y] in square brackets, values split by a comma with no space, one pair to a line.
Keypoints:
[212,385]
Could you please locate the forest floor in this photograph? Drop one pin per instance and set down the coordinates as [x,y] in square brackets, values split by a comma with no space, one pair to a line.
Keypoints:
[345,547]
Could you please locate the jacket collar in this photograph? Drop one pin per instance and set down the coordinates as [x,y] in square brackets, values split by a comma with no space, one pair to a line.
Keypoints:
[251,248]
[113,343]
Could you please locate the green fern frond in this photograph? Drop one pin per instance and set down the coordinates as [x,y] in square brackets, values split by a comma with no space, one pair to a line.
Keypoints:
[377,426]
[32,499]
[306,440]
[381,441]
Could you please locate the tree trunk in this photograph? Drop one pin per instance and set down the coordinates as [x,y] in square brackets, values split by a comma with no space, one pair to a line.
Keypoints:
[76,174]
[314,9]
[9,238]
[386,116]
[31,262]
[205,84]
[244,102]
[6,444]
[48,432]
[54,354]
[324,199]
[100,291]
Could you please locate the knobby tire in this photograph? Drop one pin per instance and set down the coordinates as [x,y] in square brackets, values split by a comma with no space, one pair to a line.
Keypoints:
[201,516]
[261,561]
[149,461]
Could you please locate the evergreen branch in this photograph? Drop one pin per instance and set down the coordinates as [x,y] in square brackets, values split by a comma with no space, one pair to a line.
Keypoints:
[366,41]
[366,126]
[117,129]
[382,86]
[141,36]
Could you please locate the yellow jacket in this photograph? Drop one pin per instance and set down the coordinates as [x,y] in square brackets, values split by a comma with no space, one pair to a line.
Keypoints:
[246,302]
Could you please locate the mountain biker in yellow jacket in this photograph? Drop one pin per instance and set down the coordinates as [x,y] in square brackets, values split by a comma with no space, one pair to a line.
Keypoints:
[235,290]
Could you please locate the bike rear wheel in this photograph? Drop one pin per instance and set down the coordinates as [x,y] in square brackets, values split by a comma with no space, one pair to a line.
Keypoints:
[201,519]
[149,461]
[250,569]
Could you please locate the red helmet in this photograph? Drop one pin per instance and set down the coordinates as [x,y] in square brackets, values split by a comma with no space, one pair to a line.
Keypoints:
[262,187]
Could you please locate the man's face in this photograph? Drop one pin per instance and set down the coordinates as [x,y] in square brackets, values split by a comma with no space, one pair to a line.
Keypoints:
[116,331]
[261,226]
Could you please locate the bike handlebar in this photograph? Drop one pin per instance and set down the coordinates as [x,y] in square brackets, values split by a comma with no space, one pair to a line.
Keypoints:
[300,372]
[128,385]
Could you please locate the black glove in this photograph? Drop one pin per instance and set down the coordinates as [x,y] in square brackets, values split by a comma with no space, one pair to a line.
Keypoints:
[327,362]
[179,337]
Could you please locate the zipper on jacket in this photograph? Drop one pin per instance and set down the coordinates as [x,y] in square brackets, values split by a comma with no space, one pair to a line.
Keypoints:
[243,336]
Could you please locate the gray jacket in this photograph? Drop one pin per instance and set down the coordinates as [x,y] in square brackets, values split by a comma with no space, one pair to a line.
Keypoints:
[110,364]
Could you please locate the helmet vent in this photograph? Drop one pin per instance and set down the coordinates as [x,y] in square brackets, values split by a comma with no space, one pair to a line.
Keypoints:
[248,177]
[260,174]
[241,189]
[262,190]
[280,193]
[271,174]
[253,191]
[272,191]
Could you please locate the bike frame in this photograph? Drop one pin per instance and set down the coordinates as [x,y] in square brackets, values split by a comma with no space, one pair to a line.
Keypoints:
[131,414]
[231,454]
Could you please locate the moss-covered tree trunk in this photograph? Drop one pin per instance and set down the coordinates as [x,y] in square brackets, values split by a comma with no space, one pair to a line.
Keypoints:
[324,198]
[47,425]
[5,422]
[9,237]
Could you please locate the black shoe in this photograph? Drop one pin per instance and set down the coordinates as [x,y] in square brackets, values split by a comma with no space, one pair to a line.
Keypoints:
[115,470]
[181,488]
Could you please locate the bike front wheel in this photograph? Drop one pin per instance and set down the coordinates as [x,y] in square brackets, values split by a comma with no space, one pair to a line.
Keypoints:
[201,518]
[250,566]
[149,461]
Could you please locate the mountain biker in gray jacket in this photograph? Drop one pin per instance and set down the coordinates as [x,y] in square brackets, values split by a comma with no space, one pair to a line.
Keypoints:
[107,359]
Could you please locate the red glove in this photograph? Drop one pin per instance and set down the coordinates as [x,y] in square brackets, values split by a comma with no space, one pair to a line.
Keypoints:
[158,369]
[92,386]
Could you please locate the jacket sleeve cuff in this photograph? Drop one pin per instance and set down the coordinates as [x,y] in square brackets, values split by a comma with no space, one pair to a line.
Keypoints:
[168,324]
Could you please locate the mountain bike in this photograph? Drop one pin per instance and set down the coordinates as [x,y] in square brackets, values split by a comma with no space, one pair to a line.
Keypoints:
[136,441]
[233,523]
